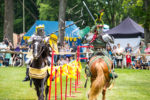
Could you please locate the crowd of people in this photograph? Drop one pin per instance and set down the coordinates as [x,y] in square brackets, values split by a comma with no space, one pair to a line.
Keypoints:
[10,58]
[65,58]
[121,56]
[124,56]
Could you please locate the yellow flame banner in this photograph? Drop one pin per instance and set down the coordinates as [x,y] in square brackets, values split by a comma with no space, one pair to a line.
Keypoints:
[69,70]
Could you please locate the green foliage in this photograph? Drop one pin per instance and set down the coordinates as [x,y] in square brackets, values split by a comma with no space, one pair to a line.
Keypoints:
[139,3]
[114,12]
[48,9]
[18,17]
[44,11]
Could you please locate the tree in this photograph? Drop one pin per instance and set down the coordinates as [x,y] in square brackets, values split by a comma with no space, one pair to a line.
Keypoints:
[31,15]
[62,13]
[1,19]
[8,19]
[140,10]
[147,21]
[113,11]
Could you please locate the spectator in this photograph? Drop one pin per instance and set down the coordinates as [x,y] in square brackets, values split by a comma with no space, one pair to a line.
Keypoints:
[1,59]
[66,45]
[142,47]
[62,61]
[137,63]
[11,46]
[109,50]
[114,49]
[128,48]
[6,41]
[68,50]
[147,51]
[7,60]
[88,50]
[17,49]
[62,49]
[119,55]
[114,55]
[128,59]
[17,57]
[25,43]
[3,47]
[74,47]
[71,59]
[25,48]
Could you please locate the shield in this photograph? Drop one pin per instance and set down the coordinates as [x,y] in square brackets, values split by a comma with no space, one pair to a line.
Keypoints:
[53,42]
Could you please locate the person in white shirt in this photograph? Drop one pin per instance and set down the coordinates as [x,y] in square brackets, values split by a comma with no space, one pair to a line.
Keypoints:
[119,55]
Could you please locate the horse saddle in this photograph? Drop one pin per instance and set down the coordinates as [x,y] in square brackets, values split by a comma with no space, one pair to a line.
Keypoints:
[38,73]
[105,61]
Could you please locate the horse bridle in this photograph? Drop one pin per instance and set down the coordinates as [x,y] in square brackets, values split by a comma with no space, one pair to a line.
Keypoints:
[41,51]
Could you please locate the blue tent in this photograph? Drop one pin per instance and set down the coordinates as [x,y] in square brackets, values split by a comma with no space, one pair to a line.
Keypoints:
[71,33]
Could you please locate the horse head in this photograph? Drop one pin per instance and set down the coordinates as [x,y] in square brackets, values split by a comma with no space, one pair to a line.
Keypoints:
[38,47]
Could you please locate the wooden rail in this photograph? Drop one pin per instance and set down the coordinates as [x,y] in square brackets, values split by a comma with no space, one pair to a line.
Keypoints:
[65,53]
[14,52]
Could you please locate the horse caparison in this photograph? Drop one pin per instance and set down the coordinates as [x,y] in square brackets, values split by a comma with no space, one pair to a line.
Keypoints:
[100,79]
[39,62]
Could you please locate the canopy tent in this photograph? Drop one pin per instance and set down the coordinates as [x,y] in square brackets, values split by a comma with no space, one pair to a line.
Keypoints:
[134,43]
[126,29]
[52,26]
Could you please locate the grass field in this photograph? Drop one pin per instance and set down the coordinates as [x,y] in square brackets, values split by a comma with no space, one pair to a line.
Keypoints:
[130,85]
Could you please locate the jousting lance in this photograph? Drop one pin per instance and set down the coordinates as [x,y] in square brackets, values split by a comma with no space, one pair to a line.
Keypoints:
[89,11]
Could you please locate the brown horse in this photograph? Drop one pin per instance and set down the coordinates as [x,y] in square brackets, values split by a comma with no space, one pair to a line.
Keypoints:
[100,68]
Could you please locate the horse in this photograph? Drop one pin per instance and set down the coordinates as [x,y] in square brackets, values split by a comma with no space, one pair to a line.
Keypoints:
[38,68]
[100,66]
[100,69]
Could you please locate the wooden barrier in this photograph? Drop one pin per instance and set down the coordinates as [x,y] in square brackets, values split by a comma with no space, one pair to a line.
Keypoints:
[65,53]
[14,52]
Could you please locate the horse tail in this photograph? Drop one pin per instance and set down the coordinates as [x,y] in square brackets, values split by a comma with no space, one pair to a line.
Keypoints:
[98,84]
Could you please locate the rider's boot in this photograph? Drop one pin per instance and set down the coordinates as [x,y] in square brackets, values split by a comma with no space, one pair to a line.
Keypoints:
[114,75]
[27,78]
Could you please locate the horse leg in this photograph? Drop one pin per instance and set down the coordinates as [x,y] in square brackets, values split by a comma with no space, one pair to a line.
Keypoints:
[47,87]
[103,94]
[37,90]
[104,90]
[42,89]
[46,92]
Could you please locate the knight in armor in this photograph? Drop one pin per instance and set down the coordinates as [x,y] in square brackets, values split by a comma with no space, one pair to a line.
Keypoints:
[100,40]
[39,33]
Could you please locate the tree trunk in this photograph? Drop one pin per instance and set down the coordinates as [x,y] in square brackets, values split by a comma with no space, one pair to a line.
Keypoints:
[62,11]
[147,21]
[8,20]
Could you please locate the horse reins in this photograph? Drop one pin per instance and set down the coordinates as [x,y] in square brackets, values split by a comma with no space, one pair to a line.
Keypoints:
[41,53]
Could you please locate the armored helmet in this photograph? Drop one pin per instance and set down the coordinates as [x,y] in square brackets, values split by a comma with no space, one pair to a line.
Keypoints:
[40,30]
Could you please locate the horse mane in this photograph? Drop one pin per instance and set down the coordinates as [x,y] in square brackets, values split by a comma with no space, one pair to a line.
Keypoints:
[45,52]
